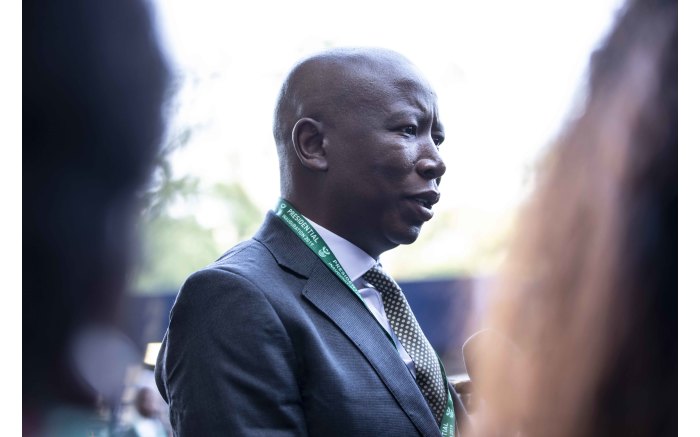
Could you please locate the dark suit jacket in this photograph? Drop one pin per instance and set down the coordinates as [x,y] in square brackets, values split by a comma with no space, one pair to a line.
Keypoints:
[268,342]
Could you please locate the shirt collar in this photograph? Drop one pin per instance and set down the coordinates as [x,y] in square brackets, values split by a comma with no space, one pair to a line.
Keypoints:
[354,260]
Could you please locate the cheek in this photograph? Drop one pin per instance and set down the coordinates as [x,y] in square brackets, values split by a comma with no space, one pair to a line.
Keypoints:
[394,165]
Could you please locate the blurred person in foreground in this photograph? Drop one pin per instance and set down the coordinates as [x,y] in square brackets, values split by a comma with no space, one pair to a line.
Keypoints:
[589,294]
[94,81]
[298,331]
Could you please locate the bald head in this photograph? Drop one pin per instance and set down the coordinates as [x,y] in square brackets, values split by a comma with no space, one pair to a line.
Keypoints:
[358,135]
[332,84]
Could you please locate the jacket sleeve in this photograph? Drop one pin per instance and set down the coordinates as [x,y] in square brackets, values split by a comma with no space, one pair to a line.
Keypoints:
[228,364]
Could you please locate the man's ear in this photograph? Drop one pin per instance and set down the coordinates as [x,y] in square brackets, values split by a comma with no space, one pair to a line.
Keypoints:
[308,138]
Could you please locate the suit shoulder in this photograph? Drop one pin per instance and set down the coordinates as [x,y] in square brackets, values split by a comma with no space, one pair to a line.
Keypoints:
[243,257]
[248,265]
[220,288]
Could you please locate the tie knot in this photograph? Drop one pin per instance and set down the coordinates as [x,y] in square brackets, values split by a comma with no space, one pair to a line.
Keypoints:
[380,280]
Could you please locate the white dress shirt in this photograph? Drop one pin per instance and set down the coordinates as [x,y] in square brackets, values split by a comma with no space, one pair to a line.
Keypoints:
[356,262]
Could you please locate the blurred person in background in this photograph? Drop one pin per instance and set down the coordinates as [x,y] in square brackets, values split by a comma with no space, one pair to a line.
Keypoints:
[94,81]
[146,421]
[588,299]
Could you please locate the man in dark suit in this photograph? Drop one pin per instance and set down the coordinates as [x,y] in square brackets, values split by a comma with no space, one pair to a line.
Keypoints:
[298,331]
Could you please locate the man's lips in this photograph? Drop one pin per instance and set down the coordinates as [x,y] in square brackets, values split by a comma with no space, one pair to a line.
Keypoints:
[422,204]
[426,198]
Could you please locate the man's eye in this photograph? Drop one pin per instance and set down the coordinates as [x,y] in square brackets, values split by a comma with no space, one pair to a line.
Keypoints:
[410,130]
[438,140]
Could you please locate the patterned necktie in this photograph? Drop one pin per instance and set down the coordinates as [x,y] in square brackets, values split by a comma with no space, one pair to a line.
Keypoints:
[406,328]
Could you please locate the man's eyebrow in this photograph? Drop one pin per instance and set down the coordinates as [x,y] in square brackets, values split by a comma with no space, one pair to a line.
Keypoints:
[415,109]
[405,113]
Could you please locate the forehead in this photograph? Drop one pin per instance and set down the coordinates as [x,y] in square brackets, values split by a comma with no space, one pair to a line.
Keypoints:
[393,88]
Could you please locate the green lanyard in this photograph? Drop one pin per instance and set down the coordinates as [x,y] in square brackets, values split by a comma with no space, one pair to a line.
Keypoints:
[303,229]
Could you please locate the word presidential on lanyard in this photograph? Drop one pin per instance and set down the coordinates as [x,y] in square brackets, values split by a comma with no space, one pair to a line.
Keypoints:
[303,229]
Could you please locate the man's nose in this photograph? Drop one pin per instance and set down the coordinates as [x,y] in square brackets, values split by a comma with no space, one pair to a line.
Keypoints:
[430,165]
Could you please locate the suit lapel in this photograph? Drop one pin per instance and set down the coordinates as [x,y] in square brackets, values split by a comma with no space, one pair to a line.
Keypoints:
[349,314]
[289,252]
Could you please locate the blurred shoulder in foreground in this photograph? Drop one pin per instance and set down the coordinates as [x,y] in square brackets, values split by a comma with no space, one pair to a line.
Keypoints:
[589,293]
[94,81]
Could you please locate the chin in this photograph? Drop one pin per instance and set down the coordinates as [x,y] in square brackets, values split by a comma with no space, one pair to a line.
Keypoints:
[405,236]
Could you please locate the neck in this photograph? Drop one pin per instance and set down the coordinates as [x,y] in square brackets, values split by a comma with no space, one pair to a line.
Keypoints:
[315,210]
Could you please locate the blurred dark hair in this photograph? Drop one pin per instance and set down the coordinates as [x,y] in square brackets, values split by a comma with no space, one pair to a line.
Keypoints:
[94,81]
[589,292]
